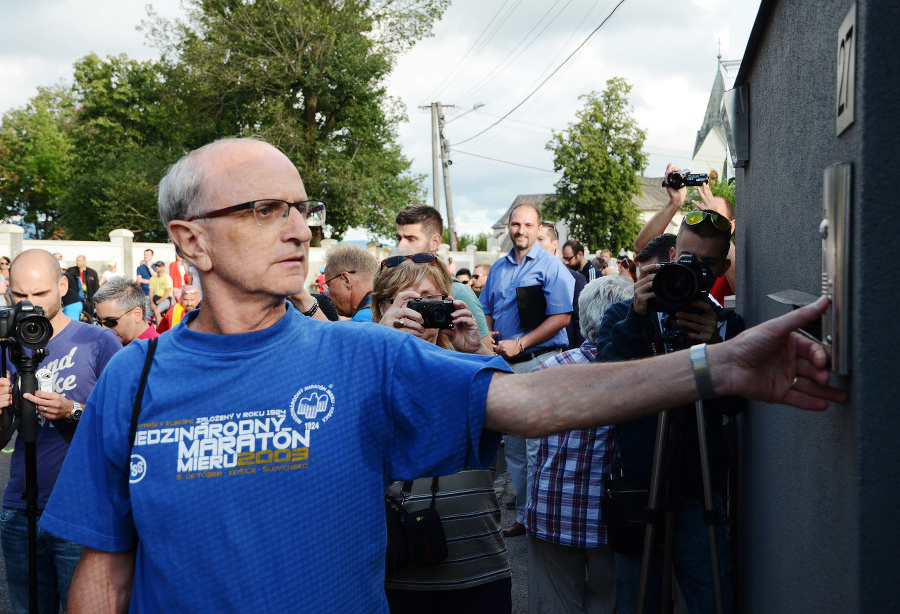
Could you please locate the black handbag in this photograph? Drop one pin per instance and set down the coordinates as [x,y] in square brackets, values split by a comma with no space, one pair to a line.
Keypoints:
[623,511]
[416,537]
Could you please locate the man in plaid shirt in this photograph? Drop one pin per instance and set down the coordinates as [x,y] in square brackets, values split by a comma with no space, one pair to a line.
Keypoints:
[570,567]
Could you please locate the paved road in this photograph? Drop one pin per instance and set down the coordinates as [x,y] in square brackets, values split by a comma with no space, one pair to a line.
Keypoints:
[4,478]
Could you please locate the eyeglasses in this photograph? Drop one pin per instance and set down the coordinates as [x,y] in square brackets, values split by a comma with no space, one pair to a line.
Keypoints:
[430,297]
[325,283]
[567,258]
[270,210]
[113,322]
[719,221]
[420,258]
[477,275]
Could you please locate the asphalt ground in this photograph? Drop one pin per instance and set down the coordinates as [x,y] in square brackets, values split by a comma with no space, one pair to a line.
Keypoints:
[5,606]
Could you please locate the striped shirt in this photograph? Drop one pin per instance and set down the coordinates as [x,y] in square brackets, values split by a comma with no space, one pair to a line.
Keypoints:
[470,515]
[570,475]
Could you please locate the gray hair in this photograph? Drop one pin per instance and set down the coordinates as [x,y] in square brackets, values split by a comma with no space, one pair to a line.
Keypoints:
[350,257]
[181,190]
[597,297]
[124,293]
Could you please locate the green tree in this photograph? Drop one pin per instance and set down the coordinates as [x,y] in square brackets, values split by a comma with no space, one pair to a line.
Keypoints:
[36,160]
[601,159]
[309,77]
[133,120]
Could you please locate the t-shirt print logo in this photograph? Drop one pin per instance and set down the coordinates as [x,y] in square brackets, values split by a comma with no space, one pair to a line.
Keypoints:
[312,405]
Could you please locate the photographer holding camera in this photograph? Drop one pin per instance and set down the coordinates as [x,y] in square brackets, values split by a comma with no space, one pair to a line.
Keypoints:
[411,295]
[653,323]
[76,355]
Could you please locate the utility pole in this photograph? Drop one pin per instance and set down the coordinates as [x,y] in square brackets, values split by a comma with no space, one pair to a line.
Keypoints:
[446,162]
[440,151]
[435,189]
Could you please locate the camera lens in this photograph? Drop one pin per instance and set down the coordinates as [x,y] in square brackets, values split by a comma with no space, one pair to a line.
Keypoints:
[34,332]
[438,317]
[674,285]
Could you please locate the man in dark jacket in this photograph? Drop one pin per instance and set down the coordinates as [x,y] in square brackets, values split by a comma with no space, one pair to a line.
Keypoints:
[88,281]
[638,328]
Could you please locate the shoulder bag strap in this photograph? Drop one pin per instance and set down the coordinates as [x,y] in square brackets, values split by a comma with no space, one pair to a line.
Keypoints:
[151,349]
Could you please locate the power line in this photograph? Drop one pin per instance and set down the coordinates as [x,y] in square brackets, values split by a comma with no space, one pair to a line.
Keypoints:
[504,64]
[535,90]
[477,46]
[456,151]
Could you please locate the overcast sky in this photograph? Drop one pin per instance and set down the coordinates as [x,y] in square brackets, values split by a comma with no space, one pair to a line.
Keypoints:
[494,52]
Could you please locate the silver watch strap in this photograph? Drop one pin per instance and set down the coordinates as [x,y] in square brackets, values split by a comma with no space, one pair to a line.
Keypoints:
[701,372]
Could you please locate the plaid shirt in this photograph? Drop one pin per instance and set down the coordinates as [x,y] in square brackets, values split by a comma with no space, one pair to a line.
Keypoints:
[570,474]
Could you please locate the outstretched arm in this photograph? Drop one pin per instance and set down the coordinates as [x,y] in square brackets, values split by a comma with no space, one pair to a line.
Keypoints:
[760,363]
[657,224]
[102,583]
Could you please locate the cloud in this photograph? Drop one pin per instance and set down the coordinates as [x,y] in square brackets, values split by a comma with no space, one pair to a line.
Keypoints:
[666,48]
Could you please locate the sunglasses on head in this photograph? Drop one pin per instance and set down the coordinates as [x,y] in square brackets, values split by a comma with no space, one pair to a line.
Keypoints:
[719,221]
[417,258]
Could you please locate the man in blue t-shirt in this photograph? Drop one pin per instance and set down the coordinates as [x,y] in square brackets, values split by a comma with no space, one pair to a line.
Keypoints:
[145,272]
[527,302]
[76,355]
[227,496]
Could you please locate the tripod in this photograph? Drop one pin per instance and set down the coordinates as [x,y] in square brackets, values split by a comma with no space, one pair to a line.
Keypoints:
[26,367]
[667,422]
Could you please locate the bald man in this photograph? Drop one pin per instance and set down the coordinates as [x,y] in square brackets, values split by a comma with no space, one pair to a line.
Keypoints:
[76,355]
[280,408]
[190,299]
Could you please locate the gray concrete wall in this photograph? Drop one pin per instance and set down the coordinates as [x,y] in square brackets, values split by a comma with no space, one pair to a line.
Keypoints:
[818,500]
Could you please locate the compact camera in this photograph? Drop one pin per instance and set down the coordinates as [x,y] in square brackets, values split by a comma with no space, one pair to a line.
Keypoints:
[25,325]
[677,284]
[435,314]
[679,179]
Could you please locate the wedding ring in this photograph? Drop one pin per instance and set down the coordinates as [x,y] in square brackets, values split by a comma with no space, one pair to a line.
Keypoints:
[398,324]
[794,382]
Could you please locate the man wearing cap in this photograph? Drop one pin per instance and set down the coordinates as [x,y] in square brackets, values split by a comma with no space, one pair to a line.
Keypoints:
[111,271]
[161,289]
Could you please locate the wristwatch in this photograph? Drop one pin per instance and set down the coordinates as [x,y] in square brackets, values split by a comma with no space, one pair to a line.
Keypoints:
[76,412]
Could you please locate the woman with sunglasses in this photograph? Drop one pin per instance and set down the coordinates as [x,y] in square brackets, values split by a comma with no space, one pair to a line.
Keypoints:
[475,576]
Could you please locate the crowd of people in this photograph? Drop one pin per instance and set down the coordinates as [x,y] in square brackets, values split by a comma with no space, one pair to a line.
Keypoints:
[156,507]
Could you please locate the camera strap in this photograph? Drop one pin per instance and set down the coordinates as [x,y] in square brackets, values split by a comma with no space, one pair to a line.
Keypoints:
[650,333]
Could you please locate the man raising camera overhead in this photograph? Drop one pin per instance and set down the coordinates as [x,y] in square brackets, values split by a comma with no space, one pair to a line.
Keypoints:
[76,355]
[655,323]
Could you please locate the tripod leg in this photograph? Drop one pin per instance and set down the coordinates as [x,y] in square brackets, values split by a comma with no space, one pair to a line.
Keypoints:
[709,510]
[667,602]
[662,428]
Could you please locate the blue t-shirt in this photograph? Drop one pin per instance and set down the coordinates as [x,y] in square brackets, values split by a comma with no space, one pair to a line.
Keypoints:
[257,483]
[144,271]
[76,356]
[539,268]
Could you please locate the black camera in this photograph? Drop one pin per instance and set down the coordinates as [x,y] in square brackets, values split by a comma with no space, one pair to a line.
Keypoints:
[679,283]
[25,325]
[679,179]
[435,314]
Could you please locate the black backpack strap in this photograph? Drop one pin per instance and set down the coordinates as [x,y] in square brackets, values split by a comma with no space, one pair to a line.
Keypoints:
[151,349]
